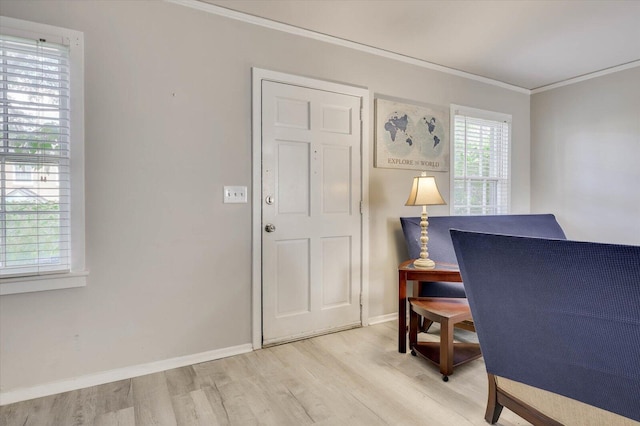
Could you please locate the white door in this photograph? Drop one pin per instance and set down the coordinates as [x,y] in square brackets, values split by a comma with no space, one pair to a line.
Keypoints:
[311,193]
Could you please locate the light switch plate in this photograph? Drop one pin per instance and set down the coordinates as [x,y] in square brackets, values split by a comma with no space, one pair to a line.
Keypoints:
[235,194]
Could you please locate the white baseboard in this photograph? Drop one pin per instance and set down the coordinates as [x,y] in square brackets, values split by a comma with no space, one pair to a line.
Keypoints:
[95,379]
[383,318]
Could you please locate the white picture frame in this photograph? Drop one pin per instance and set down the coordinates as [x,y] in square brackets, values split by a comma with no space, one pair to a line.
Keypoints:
[410,136]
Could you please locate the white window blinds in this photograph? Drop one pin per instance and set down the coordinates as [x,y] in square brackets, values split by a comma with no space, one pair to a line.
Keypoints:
[481,177]
[34,157]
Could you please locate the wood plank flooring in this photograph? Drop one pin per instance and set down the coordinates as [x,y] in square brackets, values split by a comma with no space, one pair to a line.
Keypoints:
[354,377]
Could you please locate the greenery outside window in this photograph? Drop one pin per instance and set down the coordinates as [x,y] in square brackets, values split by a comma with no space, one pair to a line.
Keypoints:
[481,177]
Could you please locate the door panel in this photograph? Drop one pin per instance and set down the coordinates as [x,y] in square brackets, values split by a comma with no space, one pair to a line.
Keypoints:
[336,264]
[292,292]
[292,177]
[336,180]
[311,194]
[336,118]
[292,113]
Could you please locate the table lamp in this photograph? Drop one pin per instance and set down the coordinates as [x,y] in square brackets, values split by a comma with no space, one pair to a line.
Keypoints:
[424,192]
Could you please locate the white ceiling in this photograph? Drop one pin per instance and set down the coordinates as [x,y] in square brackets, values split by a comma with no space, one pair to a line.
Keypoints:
[529,44]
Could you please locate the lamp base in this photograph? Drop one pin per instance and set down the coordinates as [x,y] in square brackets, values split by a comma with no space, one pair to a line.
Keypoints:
[424,264]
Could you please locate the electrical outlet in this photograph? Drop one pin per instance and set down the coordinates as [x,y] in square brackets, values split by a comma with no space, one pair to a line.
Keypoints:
[235,194]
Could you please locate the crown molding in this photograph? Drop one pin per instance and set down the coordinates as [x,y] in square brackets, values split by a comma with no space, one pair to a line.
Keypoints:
[278,26]
[585,77]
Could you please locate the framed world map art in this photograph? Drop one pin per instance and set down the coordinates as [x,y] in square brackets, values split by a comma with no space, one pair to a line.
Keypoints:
[411,136]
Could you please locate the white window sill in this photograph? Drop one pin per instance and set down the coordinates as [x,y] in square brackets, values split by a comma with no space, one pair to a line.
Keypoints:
[43,282]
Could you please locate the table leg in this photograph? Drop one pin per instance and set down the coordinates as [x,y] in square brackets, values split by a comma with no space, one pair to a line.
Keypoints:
[446,347]
[402,312]
[414,320]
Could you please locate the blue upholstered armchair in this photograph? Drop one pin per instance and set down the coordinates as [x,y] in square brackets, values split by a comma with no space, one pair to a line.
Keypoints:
[559,326]
[441,248]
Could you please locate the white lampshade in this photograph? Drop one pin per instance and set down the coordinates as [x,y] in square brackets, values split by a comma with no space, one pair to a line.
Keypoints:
[424,192]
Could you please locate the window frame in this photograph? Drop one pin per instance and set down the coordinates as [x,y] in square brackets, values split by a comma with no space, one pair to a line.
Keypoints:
[485,115]
[77,275]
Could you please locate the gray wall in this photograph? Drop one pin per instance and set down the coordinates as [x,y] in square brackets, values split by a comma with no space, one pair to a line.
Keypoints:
[585,153]
[169,263]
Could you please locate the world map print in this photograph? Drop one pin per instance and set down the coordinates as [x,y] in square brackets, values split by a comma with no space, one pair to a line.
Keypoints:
[411,136]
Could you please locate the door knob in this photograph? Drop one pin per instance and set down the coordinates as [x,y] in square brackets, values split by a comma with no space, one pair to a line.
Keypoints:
[270,227]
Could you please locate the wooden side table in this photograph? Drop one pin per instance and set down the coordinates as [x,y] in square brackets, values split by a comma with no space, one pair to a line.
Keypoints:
[406,272]
[448,312]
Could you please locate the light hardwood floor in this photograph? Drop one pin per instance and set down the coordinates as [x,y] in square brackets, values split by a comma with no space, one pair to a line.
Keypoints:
[354,377]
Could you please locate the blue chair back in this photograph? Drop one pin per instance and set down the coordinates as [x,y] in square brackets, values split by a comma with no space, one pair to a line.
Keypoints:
[440,247]
[559,315]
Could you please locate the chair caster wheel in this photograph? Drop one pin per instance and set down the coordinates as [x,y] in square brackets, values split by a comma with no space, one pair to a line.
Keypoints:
[413,352]
[445,378]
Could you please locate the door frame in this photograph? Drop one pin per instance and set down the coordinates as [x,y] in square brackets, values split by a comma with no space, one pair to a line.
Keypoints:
[258,75]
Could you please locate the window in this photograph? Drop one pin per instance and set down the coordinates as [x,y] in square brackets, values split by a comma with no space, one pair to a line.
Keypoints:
[24,173]
[41,156]
[481,171]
